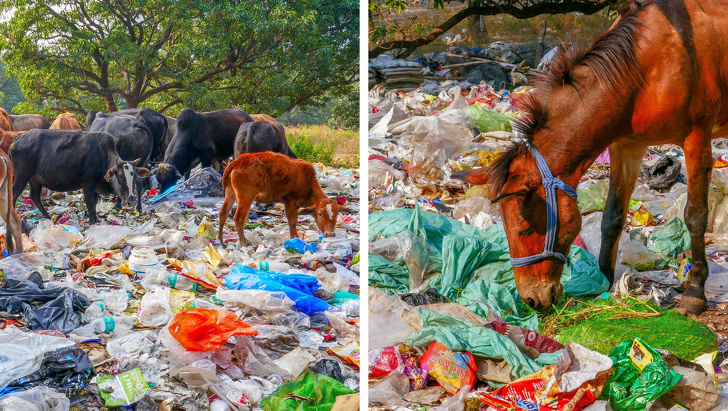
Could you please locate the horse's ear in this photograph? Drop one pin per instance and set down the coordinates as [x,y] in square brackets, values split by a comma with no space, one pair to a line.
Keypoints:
[475,176]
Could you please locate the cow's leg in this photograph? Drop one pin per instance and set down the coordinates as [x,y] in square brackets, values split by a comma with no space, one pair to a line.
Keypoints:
[699,162]
[20,179]
[292,217]
[245,201]
[90,196]
[140,191]
[227,205]
[206,159]
[625,166]
[35,189]
[117,203]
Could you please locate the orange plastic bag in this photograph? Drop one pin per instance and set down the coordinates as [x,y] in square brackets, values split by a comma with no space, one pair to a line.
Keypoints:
[203,329]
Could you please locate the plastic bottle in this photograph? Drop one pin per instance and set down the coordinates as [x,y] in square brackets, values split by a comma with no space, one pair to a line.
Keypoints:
[277,266]
[338,248]
[94,311]
[179,282]
[142,258]
[118,325]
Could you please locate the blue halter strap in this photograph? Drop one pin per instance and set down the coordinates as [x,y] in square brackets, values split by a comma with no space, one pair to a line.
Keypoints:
[551,184]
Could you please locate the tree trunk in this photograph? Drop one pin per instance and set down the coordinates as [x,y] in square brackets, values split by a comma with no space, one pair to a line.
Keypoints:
[478,33]
[110,103]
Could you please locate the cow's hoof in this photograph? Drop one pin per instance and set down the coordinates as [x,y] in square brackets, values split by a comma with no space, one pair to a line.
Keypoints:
[693,301]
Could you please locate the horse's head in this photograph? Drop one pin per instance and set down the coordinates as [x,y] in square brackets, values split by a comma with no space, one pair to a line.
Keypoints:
[517,185]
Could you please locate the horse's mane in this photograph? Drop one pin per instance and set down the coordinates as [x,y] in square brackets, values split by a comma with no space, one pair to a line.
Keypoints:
[613,59]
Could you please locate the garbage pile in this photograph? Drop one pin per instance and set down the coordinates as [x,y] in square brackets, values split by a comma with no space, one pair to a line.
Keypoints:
[150,311]
[502,65]
[459,337]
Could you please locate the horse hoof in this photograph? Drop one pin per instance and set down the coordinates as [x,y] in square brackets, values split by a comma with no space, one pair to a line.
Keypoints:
[692,304]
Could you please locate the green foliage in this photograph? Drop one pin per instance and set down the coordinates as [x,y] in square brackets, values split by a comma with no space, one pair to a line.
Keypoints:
[305,149]
[263,56]
[336,112]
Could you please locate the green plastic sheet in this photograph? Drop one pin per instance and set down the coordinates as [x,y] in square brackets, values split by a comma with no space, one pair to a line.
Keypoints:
[628,387]
[474,262]
[670,241]
[319,390]
[487,120]
[388,276]
[460,335]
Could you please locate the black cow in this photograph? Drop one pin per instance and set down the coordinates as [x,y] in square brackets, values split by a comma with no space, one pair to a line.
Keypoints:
[25,122]
[171,130]
[156,122]
[202,137]
[69,160]
[133,139]
[258,137]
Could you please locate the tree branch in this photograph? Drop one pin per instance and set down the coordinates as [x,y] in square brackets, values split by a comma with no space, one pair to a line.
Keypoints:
[534,9]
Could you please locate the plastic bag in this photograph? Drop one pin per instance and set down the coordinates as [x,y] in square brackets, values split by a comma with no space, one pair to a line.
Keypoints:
[35,399]
[452,370]
[29,360]
[20,265]
[154,310]
[670,241]
[123,389]
[384,362]
[205,187]
[298,287]
[58,314]
[639,376]
[260,300]
[381,173]
[385,313]
[593,197]
[202,329]
[54,237]
[573,383]
[309,392]
[662,174]
[103,236]
[487,120]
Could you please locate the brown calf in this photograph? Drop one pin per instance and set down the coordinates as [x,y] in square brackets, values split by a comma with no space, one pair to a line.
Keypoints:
[271,177]
[7,209]
[66,121]
[7,138]
[5,123]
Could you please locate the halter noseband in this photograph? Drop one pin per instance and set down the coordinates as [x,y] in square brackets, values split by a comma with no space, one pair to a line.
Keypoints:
[551,184]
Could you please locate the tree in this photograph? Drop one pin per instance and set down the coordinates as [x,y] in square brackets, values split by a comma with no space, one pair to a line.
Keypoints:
[264,56]
[522,9]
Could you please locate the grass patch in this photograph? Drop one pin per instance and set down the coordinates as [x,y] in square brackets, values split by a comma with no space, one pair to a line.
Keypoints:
[323,144]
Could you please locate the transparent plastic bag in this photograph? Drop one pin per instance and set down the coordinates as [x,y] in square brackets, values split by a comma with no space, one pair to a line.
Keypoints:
[22,353]
[103,236]
[154,308]
[35,399]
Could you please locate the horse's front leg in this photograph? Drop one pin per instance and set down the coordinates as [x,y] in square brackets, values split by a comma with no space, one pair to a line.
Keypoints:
[699,162]
[624,168]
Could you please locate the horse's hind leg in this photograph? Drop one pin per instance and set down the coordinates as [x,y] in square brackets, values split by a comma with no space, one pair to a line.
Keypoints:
[625,166]
[699,162]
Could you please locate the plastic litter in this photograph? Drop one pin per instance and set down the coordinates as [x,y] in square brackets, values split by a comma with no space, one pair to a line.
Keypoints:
[202,329]
[123,389]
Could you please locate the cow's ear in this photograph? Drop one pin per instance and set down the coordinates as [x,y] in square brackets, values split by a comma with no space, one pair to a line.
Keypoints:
[177,173]
[143,172]
[108,175]
[307,210]
[118,161]
[343,208]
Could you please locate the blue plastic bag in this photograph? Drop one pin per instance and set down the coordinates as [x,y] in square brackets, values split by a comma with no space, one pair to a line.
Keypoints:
[298,287]
[299,246]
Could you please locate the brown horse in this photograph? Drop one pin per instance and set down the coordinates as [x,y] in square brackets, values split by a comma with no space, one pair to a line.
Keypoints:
[658,76]
[66,121]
